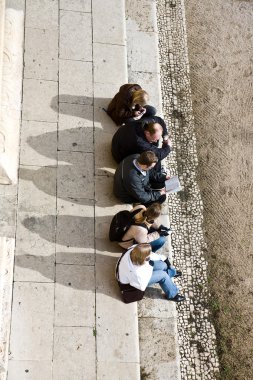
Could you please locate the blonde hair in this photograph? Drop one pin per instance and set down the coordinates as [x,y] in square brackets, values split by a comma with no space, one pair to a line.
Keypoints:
[140,253]
[140,97]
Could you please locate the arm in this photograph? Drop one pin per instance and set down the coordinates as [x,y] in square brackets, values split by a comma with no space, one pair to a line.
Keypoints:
[136,189]
[144,145]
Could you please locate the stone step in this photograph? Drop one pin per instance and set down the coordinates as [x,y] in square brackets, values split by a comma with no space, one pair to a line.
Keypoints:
[157,316]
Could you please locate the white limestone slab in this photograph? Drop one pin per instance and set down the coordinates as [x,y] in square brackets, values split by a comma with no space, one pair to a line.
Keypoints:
[77,247]
[112,29]
[37,189]
[75,127]
[123,371]
[75,295]
[30,370]
[103,93]
[35,248]
[42,14]
[41,54]
[75,178]
[76,5]
[74,353]
[32,322]
[75,82]
[144,57]
[155,333]
[38,143]
[141,15]
[117,331]
[75,36]
[109,63]
[37,97]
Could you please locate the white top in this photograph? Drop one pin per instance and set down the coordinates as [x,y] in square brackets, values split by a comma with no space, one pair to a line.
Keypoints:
[133,274]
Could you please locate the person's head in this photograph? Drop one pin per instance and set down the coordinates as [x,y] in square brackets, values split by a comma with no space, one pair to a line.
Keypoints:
[147,160]
[152,212]
[153,131]
[141,253]
[140,97]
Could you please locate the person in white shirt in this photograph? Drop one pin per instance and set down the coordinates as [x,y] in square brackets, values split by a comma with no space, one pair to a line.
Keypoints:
[140,268]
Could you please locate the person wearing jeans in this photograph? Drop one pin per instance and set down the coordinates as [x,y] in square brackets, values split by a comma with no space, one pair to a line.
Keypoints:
[140,268]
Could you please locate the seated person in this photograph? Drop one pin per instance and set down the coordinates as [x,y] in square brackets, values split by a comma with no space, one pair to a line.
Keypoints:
[129,103]
[140,268]
[137,137]
[145,229]
[133,183]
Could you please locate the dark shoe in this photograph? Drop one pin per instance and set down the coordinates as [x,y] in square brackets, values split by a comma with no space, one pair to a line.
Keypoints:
[178,274]
[178,298]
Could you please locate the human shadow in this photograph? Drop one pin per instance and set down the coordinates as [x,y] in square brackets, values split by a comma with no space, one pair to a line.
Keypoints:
[72,105]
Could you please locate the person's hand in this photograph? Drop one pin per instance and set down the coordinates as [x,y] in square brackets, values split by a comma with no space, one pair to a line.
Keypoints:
[167,142]
[163,233]
[163,191]
[167,177]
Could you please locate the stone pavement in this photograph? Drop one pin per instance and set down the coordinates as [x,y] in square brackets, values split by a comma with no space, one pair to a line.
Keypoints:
[68,321]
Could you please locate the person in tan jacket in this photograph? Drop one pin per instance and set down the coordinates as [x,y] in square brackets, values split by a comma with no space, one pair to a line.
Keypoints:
[130,103]
[145,228]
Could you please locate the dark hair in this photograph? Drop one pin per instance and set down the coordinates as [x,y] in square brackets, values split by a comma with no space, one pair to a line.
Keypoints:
[147,158]
[150,127]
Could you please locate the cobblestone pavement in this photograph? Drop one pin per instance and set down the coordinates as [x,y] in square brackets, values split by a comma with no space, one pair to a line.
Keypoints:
[196,333]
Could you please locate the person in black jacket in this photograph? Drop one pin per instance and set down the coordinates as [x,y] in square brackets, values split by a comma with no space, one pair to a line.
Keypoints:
[133,180]
[137,137]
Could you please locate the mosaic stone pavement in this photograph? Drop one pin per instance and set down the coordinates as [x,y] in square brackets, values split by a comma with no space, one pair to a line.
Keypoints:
[197,339]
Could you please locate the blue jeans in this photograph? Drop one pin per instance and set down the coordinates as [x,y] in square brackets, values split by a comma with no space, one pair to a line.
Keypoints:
[162,275]
[158,243]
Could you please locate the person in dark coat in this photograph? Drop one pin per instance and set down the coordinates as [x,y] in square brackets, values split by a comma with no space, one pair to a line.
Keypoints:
[139,136]
[129,103]
[133,181]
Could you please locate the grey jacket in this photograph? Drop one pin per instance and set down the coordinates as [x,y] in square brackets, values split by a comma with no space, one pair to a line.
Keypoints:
[131,186]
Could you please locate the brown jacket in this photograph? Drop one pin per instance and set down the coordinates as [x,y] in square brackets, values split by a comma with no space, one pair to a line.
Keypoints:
[120,107]
[139,234]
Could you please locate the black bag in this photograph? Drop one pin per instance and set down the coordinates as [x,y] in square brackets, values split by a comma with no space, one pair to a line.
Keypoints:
[129,293]
[120,223]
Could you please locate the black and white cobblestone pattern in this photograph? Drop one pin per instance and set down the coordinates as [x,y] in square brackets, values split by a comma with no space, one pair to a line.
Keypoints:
[197,341]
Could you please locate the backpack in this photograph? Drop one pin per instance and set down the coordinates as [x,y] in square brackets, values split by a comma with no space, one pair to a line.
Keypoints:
[120,223]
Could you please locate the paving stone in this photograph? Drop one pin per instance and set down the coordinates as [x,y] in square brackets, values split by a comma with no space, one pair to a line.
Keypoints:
[141,16]
[157,332]
[103,93]
[41,54]
[75,127]
[37,189]
[8,214]
[105,57]
[42,14]
[75,175]
[74,353]
[79,215]
[123,371]
[35,248]
[155,305]
[29,370]
[75,36]
[75,82]
[111,332]
[112,29]
[38,143]
[32,322]
[76,5]
[75,295]
[37,100]
[146,61]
